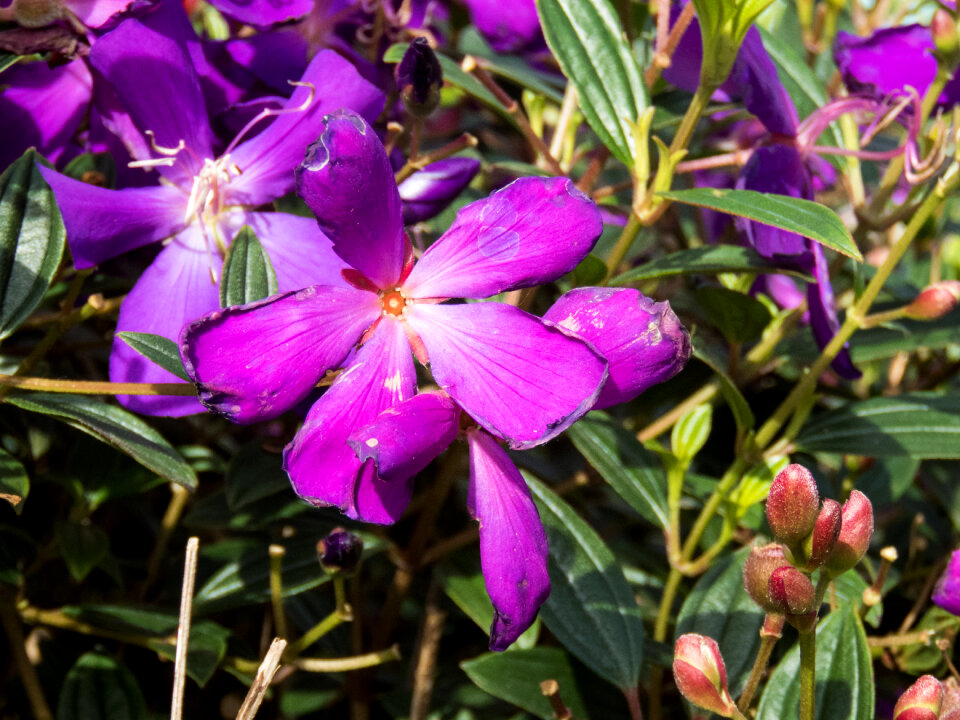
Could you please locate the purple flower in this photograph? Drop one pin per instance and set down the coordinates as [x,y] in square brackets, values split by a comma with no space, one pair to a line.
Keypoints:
[427,193]
[510,28]
[206,198]
[92,13]
[946,594]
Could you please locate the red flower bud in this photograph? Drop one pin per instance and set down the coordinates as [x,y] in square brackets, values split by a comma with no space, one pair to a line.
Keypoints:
[825,533]
[921,701]
[701,675]
[936,300]
[943,28]
[792,504]
[855,533]
[791,591]
[761,563]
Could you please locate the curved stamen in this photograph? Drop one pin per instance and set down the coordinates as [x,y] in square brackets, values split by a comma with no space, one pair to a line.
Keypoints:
[274,112]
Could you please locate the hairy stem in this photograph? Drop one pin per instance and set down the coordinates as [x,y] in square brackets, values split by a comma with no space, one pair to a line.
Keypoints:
[808,667]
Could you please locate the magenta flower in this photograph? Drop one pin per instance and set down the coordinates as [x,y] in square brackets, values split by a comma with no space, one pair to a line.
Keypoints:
[428,192]
[207,197]
[946,594]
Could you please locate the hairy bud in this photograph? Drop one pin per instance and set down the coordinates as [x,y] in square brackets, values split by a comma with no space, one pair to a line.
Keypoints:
[855,532]
[701,675]
[340,551]
[761,563]
[826,530]
[921,701]
[419,78]
[793,504]
[934,301]
[791,591]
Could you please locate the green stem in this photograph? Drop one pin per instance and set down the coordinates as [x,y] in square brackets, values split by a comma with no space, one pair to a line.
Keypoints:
[701,98]
[276,553]
[808,668]
[334,619]
[675,476]
[619,252]
[730,478]
[769,634]
[660,635]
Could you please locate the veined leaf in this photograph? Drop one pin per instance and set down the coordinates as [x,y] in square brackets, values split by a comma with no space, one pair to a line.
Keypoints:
[710,260]
[157,349]
[100,688]
[247,273]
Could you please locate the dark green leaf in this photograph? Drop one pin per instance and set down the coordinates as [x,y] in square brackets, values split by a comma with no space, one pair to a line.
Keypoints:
[511,67]
[247,273]
[83,547]
[921,658]
[157,349]
[808,218]
[587,40]
[591,271]
[700,261]
[114,426]
[95,168]
[739,317]
[32,237]
[254,474]
[14,481]
[844,674]
[631,470]
[849,588]
[720,608]
[516,676]
[7,60]
[206,648]
[888,479]
[591,609]
[99,688]
[905,336]
[739,406]
[921,425]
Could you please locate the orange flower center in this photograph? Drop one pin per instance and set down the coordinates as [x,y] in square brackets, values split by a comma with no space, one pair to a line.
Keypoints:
[393,302]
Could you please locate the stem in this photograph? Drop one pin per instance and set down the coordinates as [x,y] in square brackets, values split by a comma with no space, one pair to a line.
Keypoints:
[357,662]
[729,479]
[183,628]
[633,702]
[567,109]
[415,133]
[86,387]
[266,671]
[28,674]
[664,53]
[808,668]
[276,588]
[701,98]
[768,638]
[461,143]
[627,236]
[668,420]
[675,477]
[660,635]
[331,621]
[426,664]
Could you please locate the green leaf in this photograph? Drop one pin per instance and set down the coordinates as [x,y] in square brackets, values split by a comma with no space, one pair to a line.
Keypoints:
[710,260]
[83,547]
[100,688]
[880,343]
[849,588]
[921,658]
[921,425]
[720,608]
[7,60]
[754,486]
[114,426]
[157,349]
[253,475]
[591,609]
[516,676]
[91,167]
[739,317]
[205,650]
[32,237]
[511,67]
[844,674]
[805,217]
[586,38]
[591,271]
[634,473]
[690,433]
[14,481]
[247,273]
[742,414]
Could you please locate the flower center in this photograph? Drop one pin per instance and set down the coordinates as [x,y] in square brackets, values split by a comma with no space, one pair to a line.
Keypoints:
[393,302]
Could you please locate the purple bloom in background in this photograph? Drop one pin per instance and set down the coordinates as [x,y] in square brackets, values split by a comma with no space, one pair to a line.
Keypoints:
[428,192]
[509,28]
[946,594]
[205,199]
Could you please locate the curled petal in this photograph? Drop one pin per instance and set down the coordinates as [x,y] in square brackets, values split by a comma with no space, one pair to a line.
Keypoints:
[823,315]
[513,544]
[347,181]
[519,378]
[254,362]
[323,468]
[530,232]
[642,340]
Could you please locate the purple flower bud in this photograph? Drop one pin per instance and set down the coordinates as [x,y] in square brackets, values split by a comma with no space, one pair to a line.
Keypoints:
[427,193]
[947,592]
[791,591]
[855,534]
[761,563]
[826,530]
[921,701]
[934,301]
[701,675]
[793,504]
[419,78]
[340,551]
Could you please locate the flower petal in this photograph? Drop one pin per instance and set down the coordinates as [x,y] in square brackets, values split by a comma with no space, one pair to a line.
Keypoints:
[513,28]
[347,181]
[520,379]
[103,223]
[263,12]
[642,340]
[94,13]
[405,438]
[530,232]
[254,362]
[946,593]
[322,467]
[513,543]
[268,159]
[427,193]
[823,314]
[888,61]
[174,290]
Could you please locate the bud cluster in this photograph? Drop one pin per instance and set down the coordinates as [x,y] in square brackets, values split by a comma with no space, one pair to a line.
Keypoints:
[809,535]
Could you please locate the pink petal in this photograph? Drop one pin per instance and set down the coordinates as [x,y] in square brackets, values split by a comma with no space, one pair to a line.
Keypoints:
[256,361]
[530,232]
[520,379]
[94,13]
[513,544]
[322,467]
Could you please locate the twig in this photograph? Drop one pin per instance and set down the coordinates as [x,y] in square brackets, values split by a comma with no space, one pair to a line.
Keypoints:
[88,387]
[551,691]
[357,662]
[266,671]
[423,675]
[276,588]
[28,675]
[183,628]
[662,57]
[168,524]
[461,143]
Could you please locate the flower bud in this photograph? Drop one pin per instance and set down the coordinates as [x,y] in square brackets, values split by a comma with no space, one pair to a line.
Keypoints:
[791,591]
[826,530]
[427,193]
[921,701]
[419,78]
[761,563]
[855,532]
[340,551]
[701,675]
[934,301]
[950,709]
[946,594]
[943,28]
[793,504]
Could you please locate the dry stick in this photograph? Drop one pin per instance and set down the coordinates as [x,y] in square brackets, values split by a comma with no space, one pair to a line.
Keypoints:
[28,675]
[88,387]
[567,109]
[183,628]
[423,676]
[551,691]
[266,671]
[666,52]
[276,588]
